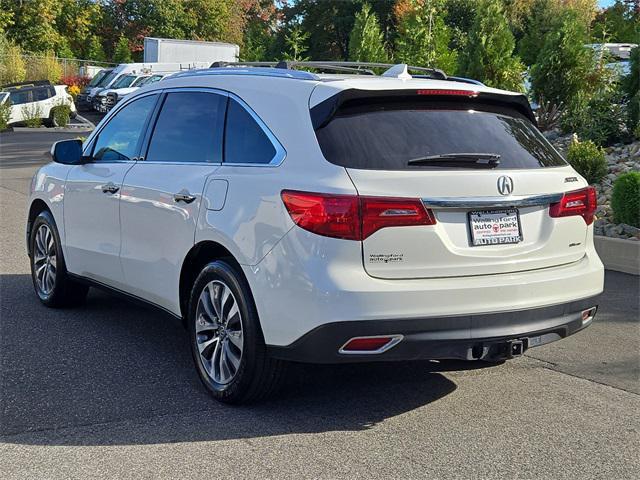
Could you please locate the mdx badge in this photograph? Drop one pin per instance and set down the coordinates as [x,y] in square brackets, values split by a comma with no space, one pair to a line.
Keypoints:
[505,185]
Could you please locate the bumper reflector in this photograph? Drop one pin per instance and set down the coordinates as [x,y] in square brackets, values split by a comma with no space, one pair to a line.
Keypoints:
[370,345]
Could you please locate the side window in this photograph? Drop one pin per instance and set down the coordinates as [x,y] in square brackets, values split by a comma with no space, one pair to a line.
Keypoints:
[189,128]
[245,141]
[40,93]
[119,139]
[21,96]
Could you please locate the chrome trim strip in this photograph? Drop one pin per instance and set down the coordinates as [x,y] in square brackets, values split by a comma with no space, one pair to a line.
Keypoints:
[395,339]
[491,202]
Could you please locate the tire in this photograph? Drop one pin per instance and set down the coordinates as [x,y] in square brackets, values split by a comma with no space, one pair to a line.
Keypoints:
[232,374]
[51,281]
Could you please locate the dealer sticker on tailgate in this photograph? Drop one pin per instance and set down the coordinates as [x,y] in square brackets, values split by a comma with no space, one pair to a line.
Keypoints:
[494,227]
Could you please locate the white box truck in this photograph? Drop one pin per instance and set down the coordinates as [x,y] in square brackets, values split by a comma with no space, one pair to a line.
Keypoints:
[171,50]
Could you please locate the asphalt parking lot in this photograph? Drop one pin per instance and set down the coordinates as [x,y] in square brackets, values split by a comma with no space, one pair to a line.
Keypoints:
[108,391]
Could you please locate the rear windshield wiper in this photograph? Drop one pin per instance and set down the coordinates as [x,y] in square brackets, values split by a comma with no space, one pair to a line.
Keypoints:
[473,160]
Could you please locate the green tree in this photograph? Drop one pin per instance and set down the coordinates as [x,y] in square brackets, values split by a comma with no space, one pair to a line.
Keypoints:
[259,32]
[76,22]
[489,55]
[64,50]
[564,64]
[542,19]
[619,23]
[122,53]
[94,50]
[631,87]
[34,23]
[423,37]
[460,16]
[296,44]
[12,66]
[366,42]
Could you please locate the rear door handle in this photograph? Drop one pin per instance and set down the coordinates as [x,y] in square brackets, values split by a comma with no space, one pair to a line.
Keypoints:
[184,196]
[110,188]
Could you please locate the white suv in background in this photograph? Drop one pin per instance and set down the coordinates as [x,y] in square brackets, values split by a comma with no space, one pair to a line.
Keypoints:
[292,216]
[35,99]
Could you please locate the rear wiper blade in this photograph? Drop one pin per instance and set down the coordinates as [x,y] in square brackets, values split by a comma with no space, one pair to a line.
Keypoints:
[474,160]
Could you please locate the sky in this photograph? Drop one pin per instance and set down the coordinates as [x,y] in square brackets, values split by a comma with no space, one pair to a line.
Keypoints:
[605,3]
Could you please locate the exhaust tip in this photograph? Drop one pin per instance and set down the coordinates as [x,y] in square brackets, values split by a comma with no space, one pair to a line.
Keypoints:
[588,314]
[370,345]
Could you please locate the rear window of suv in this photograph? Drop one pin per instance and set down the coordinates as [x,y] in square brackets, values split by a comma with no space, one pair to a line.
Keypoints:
[389,134]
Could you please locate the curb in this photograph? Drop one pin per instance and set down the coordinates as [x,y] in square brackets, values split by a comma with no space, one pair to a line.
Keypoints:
[53,130]
[619,254]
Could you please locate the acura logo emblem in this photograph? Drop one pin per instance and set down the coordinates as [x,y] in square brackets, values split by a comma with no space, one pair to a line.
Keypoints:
[505,185]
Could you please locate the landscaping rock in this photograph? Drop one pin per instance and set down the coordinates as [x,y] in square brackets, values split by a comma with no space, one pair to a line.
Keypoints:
[620,159]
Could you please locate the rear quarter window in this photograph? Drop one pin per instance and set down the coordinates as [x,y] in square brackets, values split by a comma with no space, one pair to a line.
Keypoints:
[386,135]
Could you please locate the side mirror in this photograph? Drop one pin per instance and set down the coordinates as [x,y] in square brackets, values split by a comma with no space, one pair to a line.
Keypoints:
[68,152]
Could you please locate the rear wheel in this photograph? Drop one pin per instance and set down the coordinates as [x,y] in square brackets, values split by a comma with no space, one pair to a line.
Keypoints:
[51,281]
[226,340]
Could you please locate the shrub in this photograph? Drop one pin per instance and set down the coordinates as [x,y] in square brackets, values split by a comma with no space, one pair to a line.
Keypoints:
[5,113]
[78,80]
[548,115]
[601,119]
[74,91]
[588,159]
[625,200]
[32,115]
[12,66]
[46,67]
[60,115]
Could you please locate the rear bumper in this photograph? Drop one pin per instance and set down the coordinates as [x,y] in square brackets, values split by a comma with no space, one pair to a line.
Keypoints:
[489,337]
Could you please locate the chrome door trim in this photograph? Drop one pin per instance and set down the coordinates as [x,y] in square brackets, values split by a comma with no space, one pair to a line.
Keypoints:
[491,202]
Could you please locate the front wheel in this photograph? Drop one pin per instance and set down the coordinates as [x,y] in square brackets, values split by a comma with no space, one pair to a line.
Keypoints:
[51,281]
[226,340]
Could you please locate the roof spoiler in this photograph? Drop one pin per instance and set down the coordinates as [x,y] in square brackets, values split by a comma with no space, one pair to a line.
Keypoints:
[323,112]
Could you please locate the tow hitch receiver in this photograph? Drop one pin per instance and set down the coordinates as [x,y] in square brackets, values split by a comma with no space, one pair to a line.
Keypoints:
[515,348]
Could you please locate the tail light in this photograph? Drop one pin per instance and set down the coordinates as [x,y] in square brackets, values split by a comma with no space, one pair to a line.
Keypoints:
[579,202]
[353,217]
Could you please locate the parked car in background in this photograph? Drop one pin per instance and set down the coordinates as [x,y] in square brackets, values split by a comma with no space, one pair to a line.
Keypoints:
[85,99]
[35,100]
[113,96]
[99,102]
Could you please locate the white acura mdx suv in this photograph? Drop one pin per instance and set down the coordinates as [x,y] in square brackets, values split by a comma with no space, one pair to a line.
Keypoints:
[286,215]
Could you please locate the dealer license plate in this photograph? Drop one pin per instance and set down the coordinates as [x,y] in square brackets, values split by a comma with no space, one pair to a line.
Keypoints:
[494,227]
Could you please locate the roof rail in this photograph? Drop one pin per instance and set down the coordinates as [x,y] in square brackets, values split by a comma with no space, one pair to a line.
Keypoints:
[256,70]
[36,83]
[338,66]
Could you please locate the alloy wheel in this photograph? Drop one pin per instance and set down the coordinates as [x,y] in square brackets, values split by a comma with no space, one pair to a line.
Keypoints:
[219,335]
[45,265]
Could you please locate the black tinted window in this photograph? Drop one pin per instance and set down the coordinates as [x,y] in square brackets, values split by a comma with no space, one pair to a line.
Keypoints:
[189,128]
[386,135]
[119,139]
[42,93]
[245,142]
[21,96]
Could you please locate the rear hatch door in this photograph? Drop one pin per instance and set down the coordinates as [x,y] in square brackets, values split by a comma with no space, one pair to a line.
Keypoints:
[481,167]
